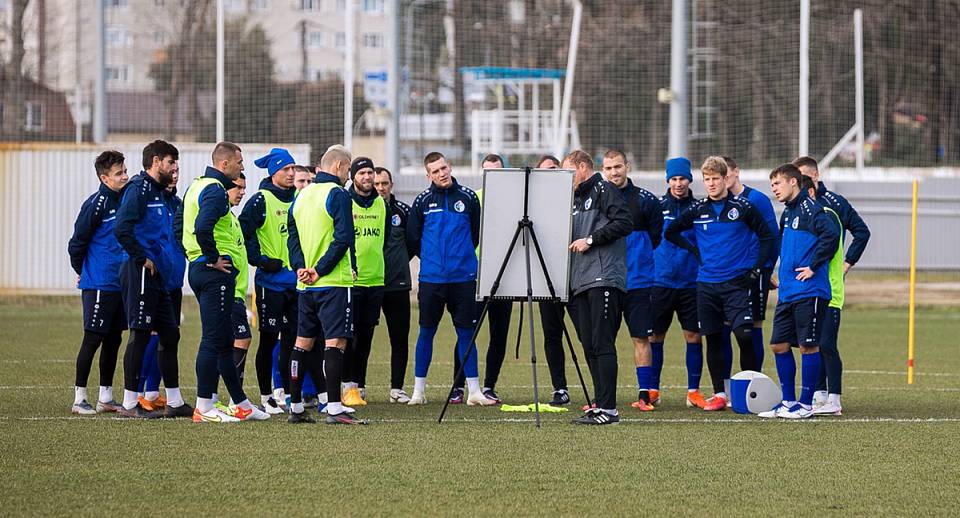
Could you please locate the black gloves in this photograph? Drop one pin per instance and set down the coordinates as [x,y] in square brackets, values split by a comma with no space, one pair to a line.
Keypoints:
[749,279]
[271,265]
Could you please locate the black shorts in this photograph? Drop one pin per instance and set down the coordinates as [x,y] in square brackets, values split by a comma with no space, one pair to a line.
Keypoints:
[147,304]
[367,301]
[799,322]
[458,298]
[638,313]
[276,310]
[667,301]
[759,297]
[103,311]
[719,302]
[325,314]
[238,316]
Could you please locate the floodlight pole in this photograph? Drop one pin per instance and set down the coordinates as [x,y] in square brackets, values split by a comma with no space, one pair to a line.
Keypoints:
[348,75]
[560,139]
[803,145]
[393,89]
[221,81]
[99,81]
[677,146]
[858,73]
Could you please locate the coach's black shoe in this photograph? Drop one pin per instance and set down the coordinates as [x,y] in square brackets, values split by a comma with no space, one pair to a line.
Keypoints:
[456,397]
[172,412]
[596,416]
[560,398]
[344,418]
[138,412]
[302,417]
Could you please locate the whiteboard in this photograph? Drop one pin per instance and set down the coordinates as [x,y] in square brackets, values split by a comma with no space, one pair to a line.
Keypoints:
[550,203]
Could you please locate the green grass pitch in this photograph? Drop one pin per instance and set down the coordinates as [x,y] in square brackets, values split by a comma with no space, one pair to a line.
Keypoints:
[896,451]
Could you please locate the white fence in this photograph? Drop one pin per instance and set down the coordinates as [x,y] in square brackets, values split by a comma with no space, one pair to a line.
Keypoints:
[42,187]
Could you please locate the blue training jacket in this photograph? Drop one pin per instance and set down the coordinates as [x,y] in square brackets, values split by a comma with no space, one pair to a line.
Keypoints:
[762,203]
[724,231]
[676,268]
[179,266]
[850,220]
[144,228]
[809,237]
[644,238]
[95,253]
[444,230]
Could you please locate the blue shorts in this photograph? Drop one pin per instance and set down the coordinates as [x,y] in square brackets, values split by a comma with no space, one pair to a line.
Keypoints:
[667,301]
[719,302]
[238,317]
[147,305]
[799,322]
[325,314]
[638,313]
[103,311]
[459,298]
[276,310]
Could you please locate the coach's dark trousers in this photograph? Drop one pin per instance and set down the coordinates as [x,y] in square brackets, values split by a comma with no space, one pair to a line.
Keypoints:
[596,315]
[214,290]
[551,319]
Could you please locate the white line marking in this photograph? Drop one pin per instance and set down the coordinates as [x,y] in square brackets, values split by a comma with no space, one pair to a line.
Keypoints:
[628,420]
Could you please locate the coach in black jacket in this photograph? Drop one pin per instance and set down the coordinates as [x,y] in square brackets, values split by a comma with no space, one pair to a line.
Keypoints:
[598,279]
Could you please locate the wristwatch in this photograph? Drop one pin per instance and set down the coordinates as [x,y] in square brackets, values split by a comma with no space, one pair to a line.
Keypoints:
[590,240]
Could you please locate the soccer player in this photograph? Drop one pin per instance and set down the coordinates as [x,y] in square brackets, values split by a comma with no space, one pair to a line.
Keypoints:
[397,284]
[760,293]
[827,397]
[303,177]
[809,240]
[498,319]
[96,256]
[444,231]
[242,338]
[598,279]
[551,320]
[264,224]
[371,233]
[725,227]
[145,231]
[213,242]
[321,242]
[647,231]
[675,284]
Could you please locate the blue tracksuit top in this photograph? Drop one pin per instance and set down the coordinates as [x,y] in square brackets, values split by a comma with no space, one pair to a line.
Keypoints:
[253,216]
[144,227]
[762,203]
[179,266]
[645,236]
[676,268]
[444,230]
[809,237]
[95,253]
[725,230]
[850,220]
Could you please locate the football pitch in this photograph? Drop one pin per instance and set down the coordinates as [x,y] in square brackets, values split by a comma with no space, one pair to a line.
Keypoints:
[894,452]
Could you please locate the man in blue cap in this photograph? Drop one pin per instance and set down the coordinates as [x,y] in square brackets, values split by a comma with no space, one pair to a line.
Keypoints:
[264,224]
[675,285]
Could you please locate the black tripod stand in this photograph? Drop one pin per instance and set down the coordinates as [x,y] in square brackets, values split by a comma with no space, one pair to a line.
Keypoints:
[525,229]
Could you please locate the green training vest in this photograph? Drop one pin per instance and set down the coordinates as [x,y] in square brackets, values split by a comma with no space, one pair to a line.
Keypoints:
[239,260]
[227,243]
[273,233]
[835,269]
[315,229]
[368,231]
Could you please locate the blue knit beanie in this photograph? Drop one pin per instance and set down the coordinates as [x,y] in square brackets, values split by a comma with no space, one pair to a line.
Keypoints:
[679,166]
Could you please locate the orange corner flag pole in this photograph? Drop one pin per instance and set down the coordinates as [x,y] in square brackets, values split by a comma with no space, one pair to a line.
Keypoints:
[911,322]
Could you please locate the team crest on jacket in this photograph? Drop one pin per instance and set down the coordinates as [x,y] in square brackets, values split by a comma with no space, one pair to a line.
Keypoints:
[796,223]
[395,220]
[587,204]
[733,214]
[459,206]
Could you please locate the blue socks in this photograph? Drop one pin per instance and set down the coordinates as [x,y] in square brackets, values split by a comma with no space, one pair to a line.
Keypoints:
[424,351]
[150,368]
[694,365]
[470,367]
[277,382]
[643,377]
[787,373]
[727,345]
[757,336]
[656,351]
[809,371]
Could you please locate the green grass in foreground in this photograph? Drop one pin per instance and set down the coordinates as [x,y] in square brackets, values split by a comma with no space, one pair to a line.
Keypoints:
[894,452]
